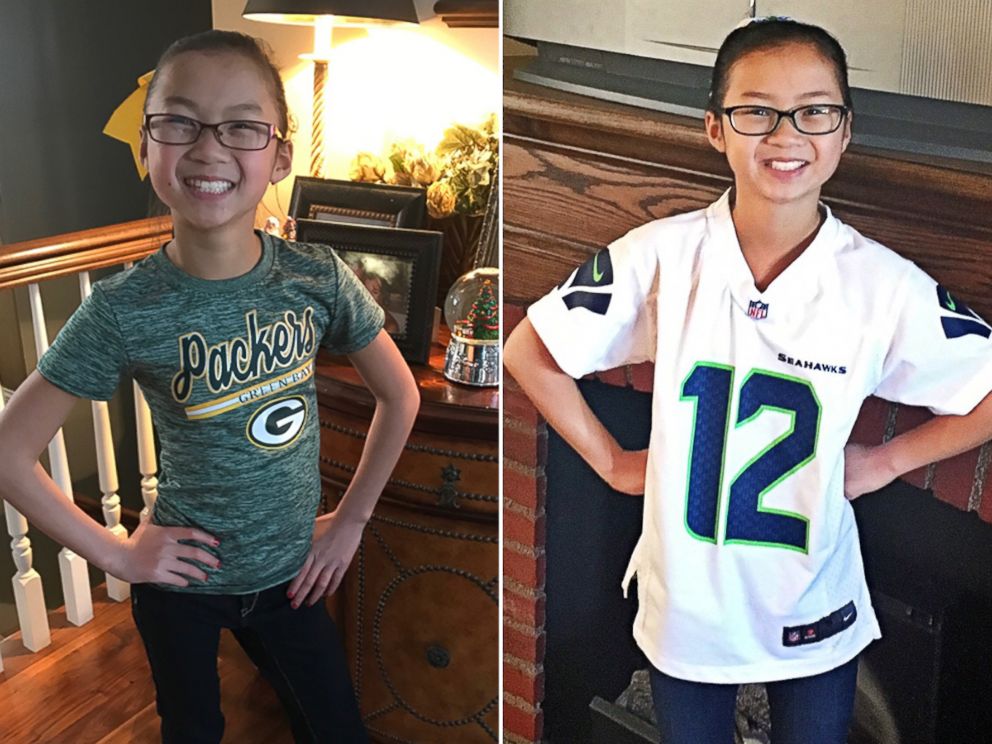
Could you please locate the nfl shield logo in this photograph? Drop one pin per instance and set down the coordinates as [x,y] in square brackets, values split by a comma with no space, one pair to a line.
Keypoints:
[793,636]
[757,309]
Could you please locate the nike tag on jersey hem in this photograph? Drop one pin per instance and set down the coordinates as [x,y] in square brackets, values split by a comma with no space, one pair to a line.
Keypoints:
[832,624]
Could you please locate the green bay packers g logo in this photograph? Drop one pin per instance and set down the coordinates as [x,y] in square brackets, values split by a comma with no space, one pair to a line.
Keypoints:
[279,423]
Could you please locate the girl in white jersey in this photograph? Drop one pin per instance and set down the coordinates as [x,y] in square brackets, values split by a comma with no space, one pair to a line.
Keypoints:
[769,322]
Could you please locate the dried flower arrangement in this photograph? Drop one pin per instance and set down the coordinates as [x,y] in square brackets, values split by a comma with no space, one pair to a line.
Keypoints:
[458,174]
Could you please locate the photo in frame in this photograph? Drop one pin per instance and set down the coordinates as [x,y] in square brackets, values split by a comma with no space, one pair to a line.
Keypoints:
[357,203]
[400,269]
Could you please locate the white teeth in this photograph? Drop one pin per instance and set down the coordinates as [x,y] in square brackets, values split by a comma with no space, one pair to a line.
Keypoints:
[786,165]
[211,187]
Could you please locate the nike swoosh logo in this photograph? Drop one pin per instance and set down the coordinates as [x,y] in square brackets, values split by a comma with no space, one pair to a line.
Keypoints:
[847,617]
[597,274]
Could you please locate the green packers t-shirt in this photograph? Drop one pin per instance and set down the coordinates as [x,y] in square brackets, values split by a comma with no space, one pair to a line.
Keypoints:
[227,368]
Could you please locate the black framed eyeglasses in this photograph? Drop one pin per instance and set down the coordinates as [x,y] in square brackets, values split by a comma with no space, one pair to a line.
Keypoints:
[238,134]
[817,118]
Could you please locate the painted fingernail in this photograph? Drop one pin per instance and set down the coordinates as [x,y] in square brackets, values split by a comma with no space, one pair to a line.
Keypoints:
[290,594]
[295,605]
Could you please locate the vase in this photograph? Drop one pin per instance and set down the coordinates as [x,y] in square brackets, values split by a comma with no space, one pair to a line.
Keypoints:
[461,241]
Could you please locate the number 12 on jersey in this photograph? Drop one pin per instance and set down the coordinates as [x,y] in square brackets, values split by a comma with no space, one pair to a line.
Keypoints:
[709,387]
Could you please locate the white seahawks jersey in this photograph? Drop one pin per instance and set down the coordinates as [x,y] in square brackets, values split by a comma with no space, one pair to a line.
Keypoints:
[748,566]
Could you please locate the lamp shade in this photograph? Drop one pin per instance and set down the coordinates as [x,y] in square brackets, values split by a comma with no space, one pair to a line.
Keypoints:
[305,12]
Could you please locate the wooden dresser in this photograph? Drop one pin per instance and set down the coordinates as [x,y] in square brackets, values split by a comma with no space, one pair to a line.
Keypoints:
[419,607]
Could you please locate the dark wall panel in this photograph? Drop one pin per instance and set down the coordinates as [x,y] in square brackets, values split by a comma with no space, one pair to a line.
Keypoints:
[64,68]
[592,531]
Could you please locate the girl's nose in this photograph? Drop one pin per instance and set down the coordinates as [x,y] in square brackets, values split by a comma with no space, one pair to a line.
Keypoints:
[208,146]
[786,129]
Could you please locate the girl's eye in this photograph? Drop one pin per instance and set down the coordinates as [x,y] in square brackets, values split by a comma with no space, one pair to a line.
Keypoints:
[814,111]
[246,129]
[755,112]
[177,120]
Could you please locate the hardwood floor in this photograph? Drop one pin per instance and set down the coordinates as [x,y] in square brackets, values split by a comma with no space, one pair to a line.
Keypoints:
[92,684]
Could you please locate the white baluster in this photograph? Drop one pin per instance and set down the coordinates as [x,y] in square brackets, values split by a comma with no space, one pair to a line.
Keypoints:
[147,460]
[73,568]
[107,467]
[28,595]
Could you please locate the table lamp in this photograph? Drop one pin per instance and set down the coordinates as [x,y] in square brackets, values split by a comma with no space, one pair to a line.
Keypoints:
[323,15]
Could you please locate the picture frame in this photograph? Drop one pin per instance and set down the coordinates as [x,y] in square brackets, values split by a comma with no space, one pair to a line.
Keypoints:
[400,269]
[357,203]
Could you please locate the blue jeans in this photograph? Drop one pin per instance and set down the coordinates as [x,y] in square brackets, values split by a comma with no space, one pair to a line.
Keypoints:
[297,651]
[807,710]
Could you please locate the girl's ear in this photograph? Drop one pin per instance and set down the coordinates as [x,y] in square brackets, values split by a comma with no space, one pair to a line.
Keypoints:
[847,131]
[714,130]
[284,162]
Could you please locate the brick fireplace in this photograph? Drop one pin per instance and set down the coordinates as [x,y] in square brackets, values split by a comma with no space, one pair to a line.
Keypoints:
[525,441]
[579,173]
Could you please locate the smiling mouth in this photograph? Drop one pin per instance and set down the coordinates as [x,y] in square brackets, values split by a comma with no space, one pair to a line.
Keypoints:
[786,165]
[209,186]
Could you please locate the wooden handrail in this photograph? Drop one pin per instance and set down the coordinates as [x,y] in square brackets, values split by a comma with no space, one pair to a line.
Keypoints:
[70,253]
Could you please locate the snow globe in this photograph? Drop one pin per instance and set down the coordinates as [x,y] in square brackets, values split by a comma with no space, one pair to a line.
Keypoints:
[471,311]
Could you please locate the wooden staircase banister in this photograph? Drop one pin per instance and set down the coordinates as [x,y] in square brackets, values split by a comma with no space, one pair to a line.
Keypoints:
[29,263]
[68,254]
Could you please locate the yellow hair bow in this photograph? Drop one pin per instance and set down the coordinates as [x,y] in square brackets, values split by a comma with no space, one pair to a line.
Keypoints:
[125,123]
